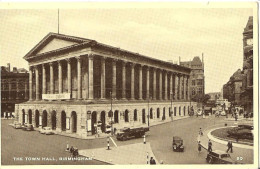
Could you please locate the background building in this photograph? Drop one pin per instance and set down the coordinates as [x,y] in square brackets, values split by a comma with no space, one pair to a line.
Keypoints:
[213,97]
[73,81]
[14,88]
[232,89]
[247,82]
[197,78]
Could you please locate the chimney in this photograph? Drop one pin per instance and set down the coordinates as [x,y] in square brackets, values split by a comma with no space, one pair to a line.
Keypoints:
[8,67]
[15,70]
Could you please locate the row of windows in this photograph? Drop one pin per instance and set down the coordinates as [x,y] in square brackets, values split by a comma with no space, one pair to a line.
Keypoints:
[199,82]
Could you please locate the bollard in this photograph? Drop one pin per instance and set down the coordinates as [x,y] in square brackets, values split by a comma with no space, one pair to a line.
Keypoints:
[108,143]
[147,157]
[144,139]
[68,147]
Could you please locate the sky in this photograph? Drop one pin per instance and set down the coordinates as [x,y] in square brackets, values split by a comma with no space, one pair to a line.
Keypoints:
[162,33]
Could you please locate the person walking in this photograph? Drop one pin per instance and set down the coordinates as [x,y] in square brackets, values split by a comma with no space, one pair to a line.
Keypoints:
[199,147]
[209,146]
[200,132]
[230,146]
[152,161]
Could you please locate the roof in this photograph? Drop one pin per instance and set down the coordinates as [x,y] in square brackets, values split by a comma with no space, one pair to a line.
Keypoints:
[81,43]
[219,152]
[177,138]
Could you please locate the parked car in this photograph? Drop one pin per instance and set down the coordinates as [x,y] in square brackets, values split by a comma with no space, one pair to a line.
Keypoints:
[177,144]
[127,133]
[219,157]
[223,113]
[207,110]
[17,125]
[199,112]
[46,130]
[29,127]
[108,129]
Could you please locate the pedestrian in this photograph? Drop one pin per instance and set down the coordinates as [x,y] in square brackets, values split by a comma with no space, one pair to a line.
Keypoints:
[230,146]
[199,147]
[71,149]
[200,132]
[209,146]
[152,161]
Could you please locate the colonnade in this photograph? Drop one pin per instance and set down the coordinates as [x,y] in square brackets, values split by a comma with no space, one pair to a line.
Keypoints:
[148,85]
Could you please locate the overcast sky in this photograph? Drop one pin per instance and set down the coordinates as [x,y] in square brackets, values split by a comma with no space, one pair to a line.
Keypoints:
[165,34]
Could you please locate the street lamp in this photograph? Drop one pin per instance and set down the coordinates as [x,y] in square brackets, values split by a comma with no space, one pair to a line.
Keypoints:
[148,115]
[171,104]
[111,113]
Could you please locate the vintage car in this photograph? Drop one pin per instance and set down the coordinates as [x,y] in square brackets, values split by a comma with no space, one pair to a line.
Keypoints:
[223,113]
[27,127]
[177,144]
[207,110]
[46,130]
[127,133]
[108,129]
[17,125]
[219,157]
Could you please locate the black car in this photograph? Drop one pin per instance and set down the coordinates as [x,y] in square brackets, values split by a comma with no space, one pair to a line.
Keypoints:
[219,157]
[127,133]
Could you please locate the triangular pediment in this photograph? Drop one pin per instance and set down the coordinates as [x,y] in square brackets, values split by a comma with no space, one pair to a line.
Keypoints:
[53,42]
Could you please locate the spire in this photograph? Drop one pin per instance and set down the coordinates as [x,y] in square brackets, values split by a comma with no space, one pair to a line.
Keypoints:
[58,21]
[179,60]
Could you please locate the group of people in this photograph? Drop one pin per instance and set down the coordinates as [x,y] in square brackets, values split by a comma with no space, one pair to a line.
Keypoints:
[229,145]
[74,152]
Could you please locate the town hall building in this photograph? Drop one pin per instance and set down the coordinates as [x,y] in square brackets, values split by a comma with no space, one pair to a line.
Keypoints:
[76,82]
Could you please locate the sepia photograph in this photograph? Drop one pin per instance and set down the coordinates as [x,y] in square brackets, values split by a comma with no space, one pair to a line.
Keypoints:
[115,83]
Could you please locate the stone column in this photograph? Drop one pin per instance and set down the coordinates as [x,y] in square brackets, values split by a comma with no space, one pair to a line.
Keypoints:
[132,81]
[17,89]
[79,77]
[181,86]
[25,90]
[154,84]
[184,88]
[176,86]
[10,89]
[43,79]
[114,78]
[160,85]
[166,86]
[123,81]
[30,84]
[60,76]
[188,88]
[37,83]
[103,77]
[90,76]
[171,92]
[51,79]
[140,83]
[148,84]
[69,75]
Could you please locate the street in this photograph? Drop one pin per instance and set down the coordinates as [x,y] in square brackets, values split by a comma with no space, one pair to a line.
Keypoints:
[18,143]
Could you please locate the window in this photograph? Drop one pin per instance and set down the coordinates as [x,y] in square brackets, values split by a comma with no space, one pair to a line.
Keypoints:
[193,92]
[193,82]
[199,82]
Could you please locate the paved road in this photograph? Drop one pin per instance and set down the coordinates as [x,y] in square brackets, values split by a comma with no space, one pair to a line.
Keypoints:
[160,137]
[19,143]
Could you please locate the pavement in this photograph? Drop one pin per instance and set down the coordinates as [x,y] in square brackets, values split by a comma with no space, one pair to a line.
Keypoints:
[239,150]
[124,155]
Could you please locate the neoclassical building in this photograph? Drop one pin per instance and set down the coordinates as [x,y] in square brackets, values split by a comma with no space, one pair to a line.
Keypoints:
[76,82]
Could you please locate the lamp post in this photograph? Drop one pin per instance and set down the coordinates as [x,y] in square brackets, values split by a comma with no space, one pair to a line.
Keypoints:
[171,104]
[148,115]
[111,113]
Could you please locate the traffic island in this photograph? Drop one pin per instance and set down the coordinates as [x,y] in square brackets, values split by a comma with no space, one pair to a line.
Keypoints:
[241,153]
[234,134]
[128,154]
